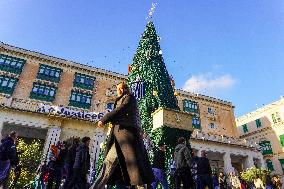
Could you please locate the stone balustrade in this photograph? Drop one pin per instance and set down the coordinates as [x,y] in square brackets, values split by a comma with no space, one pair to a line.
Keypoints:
[224,139]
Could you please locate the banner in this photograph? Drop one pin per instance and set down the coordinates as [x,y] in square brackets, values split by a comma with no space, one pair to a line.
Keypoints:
[138,89]
[67,112]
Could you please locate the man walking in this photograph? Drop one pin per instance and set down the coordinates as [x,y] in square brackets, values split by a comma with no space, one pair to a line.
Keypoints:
[70,159]
[159,167]
[183,162]
[204,172]
[126,159]
[81,165]
[8,157]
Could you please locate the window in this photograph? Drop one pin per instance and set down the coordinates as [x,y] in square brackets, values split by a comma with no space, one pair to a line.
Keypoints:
[43,92]
[276,117]
[281,137]
[49,73]
[11,64]
[282,164]
[196,122]
[7,84]
[80,100]
[190,106]
[245,128]
[84,81]
[110,106]
[269,165]
[211,125]
[258,123]
[265,147]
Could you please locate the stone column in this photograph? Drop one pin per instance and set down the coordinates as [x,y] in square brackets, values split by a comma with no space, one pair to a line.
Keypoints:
[1,128]
[99,137]
[53,135]
[249,162]
[227,162]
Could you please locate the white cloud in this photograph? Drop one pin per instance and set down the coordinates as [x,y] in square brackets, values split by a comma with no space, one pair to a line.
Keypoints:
[209,84]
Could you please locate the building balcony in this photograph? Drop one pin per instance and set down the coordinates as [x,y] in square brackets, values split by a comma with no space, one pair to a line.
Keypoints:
[199,135]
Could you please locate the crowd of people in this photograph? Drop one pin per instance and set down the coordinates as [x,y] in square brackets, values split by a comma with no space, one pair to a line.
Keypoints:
[66,166]
[126,162]
[71,164]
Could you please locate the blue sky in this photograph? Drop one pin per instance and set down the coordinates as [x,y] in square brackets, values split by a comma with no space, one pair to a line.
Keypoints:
[233,50]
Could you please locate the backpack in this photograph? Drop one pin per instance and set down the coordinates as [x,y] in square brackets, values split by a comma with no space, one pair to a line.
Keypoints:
[179,158]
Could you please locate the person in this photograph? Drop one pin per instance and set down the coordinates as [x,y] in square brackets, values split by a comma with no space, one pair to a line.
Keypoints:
[243,184]
[8,157]
[222,181]
[81,165]
[70,159]
[193,167]
[57,160]
[276,182]
[268,180]
[215,181]
[126,158]
[234,181]
[258,182]
[147,142]
[159,167]
[42,172]
[183,162]
[173,170]
[204,172]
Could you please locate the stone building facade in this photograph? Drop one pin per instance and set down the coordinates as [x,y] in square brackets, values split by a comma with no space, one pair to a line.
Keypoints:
[54,99]
[216,133]
[264,126]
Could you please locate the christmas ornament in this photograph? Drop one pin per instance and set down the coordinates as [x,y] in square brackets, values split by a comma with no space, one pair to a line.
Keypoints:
[176,93]
[155,93]
[160,52]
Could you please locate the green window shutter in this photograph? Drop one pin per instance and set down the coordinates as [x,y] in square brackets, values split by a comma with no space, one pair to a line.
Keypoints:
[185,102]
[84,81]
[80,100]
[11,64]
[49,73]
[7,84]
[281,137]
[269,165]
[43,92]
[282,164]
[258,123]
[190,106]
[276,117]
[245,128]
[196,122]
[265,147]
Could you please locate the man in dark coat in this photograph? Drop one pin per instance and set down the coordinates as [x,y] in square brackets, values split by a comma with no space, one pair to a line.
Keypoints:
[8,157]
[126,159]
[81,165]
[159,167]
[70,159]
[204,172]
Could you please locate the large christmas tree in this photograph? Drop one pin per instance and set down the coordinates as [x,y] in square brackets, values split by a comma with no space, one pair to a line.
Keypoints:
[149,75]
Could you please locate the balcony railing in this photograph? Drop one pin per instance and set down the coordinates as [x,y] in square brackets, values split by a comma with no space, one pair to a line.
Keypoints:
[223,139]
